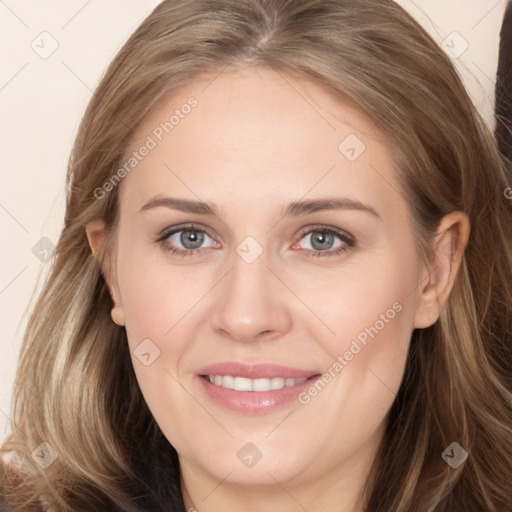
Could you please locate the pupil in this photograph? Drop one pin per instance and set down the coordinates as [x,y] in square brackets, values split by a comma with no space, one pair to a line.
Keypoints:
[193,240]
[323,239]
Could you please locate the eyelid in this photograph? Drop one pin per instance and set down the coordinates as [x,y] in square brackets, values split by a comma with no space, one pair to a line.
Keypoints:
[169,230]
[331,229]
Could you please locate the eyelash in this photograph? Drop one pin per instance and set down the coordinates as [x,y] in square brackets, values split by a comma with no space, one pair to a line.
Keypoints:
[348,241]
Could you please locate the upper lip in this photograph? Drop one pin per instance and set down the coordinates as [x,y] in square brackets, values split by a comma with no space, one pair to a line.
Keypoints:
[255,371]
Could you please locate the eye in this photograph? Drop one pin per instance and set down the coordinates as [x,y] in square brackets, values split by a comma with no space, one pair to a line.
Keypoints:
[188,240]
[184,240]
[322,241]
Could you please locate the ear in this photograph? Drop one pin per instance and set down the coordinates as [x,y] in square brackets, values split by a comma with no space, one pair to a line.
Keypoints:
[438,280]
[97,235]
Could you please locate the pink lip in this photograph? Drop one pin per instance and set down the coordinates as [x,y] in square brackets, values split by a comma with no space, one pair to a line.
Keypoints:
[255,371]
[253,402]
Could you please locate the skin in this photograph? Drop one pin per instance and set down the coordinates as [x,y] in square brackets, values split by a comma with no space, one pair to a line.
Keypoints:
[254,143]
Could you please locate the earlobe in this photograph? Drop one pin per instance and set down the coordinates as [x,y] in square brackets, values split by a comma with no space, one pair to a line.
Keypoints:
[438,280]
[117,315]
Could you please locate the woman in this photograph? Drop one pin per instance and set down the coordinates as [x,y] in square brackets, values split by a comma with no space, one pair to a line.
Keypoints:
[283,279]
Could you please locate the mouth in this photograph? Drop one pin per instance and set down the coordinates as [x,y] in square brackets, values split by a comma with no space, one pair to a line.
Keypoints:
[256,385]
[254,389]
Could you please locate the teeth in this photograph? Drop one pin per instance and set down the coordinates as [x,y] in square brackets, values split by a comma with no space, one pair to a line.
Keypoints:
[244,384]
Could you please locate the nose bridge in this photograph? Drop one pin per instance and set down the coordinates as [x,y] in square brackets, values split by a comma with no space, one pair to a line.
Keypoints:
[250,301]
[250,273]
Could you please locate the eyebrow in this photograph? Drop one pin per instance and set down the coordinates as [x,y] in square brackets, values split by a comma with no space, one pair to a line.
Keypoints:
[294,209]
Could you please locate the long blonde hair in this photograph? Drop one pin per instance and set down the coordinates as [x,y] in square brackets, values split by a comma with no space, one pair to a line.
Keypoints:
[75,388]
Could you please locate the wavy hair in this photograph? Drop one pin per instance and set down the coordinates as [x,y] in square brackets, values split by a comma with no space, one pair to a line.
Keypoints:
[75,387]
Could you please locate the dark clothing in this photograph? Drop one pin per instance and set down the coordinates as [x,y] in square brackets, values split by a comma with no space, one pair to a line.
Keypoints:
[504,87]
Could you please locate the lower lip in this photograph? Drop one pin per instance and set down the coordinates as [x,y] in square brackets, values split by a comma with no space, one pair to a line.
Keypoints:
[254,402]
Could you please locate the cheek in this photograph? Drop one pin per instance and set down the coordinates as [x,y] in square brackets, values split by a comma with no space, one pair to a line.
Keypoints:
[156,295]
[364,363]
[367,316]
[364,301]
[158,328]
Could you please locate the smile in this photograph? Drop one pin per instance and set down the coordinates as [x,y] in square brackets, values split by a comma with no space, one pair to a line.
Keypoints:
[245,384]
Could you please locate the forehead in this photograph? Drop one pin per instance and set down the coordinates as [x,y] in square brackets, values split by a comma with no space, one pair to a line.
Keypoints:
[259,130]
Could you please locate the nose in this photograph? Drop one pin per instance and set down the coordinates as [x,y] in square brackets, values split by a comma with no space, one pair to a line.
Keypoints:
[251,302]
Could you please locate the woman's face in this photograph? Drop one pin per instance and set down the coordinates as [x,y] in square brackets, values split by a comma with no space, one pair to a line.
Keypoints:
[307,269]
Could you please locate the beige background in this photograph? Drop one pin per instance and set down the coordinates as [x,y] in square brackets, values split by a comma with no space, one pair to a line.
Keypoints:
[42,98]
